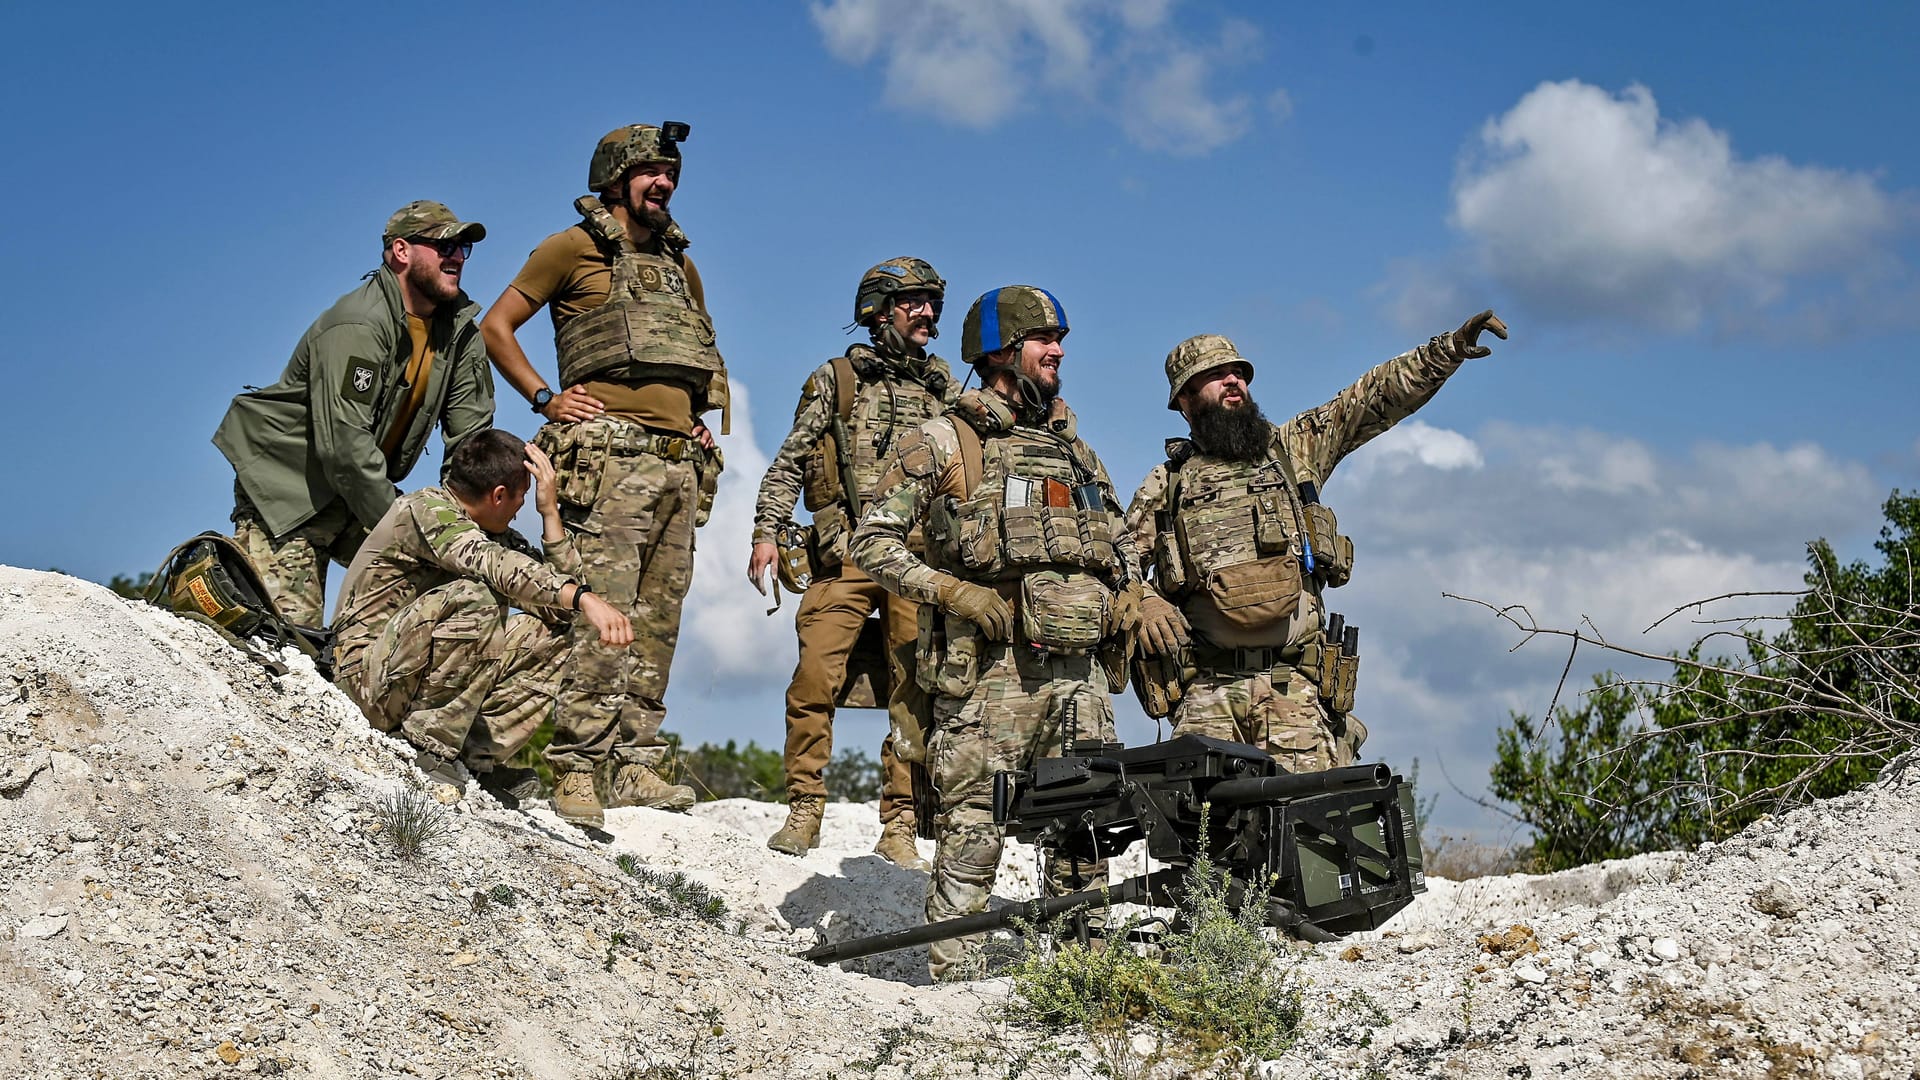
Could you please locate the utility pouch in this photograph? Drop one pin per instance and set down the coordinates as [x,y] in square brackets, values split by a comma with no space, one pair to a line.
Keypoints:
[1332,552]
[1023,535]
[959,668]
[1158,683]
[1096,537]
[1272,518]
[1334,674]
[930,647]
[1169,566]
[1060,527]
[576,482]
[979,538]
[794,564]
[1256,595]
[1063,611]
[710,471]
[1112,656]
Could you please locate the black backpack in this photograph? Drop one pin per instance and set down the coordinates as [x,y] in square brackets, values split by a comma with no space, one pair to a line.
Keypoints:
[210,580]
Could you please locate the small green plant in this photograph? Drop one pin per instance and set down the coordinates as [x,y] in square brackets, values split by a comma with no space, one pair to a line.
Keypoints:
[1466,1006]
[503,895]
[412,821]
[673,893]
[614,941]
[1215,987]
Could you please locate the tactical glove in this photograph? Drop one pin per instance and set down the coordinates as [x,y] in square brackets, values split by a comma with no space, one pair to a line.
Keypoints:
[979,605]
[1467,338]
[1124,616]
[1163,630]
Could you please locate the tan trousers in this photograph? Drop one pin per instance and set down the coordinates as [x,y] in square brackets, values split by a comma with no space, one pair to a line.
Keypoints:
[294,566]
[831,613]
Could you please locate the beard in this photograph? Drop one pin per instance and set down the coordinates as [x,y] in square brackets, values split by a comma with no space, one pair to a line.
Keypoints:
[653,220]
[431,283]
[1237,434]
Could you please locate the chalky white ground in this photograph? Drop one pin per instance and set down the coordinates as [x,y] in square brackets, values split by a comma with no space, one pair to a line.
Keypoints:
[195,885]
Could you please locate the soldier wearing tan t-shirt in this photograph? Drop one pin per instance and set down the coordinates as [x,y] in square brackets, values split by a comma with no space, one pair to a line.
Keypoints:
[637,465]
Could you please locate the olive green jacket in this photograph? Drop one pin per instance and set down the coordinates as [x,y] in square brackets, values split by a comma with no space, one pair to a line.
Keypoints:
[314,436]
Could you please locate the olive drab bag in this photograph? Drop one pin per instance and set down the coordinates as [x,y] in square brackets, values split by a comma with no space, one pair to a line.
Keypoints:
[210,580]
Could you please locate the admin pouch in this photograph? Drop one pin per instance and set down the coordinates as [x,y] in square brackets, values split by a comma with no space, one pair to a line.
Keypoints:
[210,580]
[1256,595]
[1063,611]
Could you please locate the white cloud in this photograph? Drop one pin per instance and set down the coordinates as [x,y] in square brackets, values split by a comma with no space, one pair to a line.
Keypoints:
[976,62]
[726,635]
[1574,524]
[1587,203]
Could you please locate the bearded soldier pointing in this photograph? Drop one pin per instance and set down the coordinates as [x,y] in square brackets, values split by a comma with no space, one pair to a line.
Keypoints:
[1235,636]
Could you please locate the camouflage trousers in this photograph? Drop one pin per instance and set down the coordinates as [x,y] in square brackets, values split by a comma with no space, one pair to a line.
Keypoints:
[458,676]
[635,541]
[1279,711]
[294,566]
[832,611]
[1020,710]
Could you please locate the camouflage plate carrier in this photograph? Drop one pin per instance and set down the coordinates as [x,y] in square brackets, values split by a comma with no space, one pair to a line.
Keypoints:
[874,402]
[650,328]
[1037,524]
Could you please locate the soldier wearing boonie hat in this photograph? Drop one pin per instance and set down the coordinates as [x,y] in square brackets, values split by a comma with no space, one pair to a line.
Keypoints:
[1235,639]
[316,456]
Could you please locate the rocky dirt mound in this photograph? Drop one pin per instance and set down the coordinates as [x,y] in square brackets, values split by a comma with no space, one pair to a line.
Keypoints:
[199,883]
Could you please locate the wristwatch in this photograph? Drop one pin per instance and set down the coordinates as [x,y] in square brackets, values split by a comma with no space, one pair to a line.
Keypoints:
[541,398]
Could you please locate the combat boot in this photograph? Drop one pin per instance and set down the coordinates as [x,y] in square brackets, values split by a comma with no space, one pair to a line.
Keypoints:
[801,833]
[575,801]
[639,785]
[896,844]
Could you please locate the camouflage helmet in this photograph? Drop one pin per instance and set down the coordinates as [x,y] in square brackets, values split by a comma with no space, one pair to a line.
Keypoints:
[903,274]
[1199,353]
[636,144]
[1001,317]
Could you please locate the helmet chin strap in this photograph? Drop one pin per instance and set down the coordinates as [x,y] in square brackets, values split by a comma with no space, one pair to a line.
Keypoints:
[890,343]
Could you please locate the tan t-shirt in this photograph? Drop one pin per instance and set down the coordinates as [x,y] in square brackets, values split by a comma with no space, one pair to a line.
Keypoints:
[419,367]
[570,276]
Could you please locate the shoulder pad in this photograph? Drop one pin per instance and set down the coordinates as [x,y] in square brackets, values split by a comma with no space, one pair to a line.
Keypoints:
[1178,451]
[600,224]
[674,239]
[866,362]
[916,455]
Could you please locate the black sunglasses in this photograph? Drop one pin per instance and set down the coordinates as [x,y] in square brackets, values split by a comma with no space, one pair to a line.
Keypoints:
[446,248]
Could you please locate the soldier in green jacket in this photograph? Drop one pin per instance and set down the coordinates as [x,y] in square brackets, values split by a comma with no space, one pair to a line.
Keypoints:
[1234,627]
[424,640]
[317,455]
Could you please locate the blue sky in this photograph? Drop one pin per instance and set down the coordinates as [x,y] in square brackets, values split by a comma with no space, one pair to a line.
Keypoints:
[1698,220]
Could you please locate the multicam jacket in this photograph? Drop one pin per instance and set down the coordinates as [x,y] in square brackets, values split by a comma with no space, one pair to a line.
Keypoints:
[927,466]
[1307,447]
[427,540]
[314,436]
[892,397]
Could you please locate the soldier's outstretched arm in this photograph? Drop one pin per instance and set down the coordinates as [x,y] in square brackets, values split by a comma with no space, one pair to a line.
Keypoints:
[1319,438]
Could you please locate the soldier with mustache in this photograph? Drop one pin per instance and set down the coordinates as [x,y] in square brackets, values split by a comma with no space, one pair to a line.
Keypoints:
[852,411]
[1235,636]
[636,465]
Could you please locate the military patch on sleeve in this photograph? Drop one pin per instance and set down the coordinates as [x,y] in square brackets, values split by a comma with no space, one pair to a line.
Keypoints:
[358,385]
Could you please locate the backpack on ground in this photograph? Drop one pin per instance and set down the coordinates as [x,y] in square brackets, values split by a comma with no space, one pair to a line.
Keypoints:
[210,580]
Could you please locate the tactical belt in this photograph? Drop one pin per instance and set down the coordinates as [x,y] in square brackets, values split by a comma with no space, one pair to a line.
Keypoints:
[1215,660]
[623,442]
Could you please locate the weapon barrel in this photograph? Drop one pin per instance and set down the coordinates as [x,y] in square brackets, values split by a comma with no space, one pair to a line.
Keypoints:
[1299,785]
[1036,911]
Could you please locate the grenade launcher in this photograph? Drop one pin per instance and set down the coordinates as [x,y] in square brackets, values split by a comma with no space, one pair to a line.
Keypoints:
[1328,853]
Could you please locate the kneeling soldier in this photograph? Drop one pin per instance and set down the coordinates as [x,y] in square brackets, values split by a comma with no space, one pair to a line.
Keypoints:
[1234,633]
[424,642]
[853,409]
